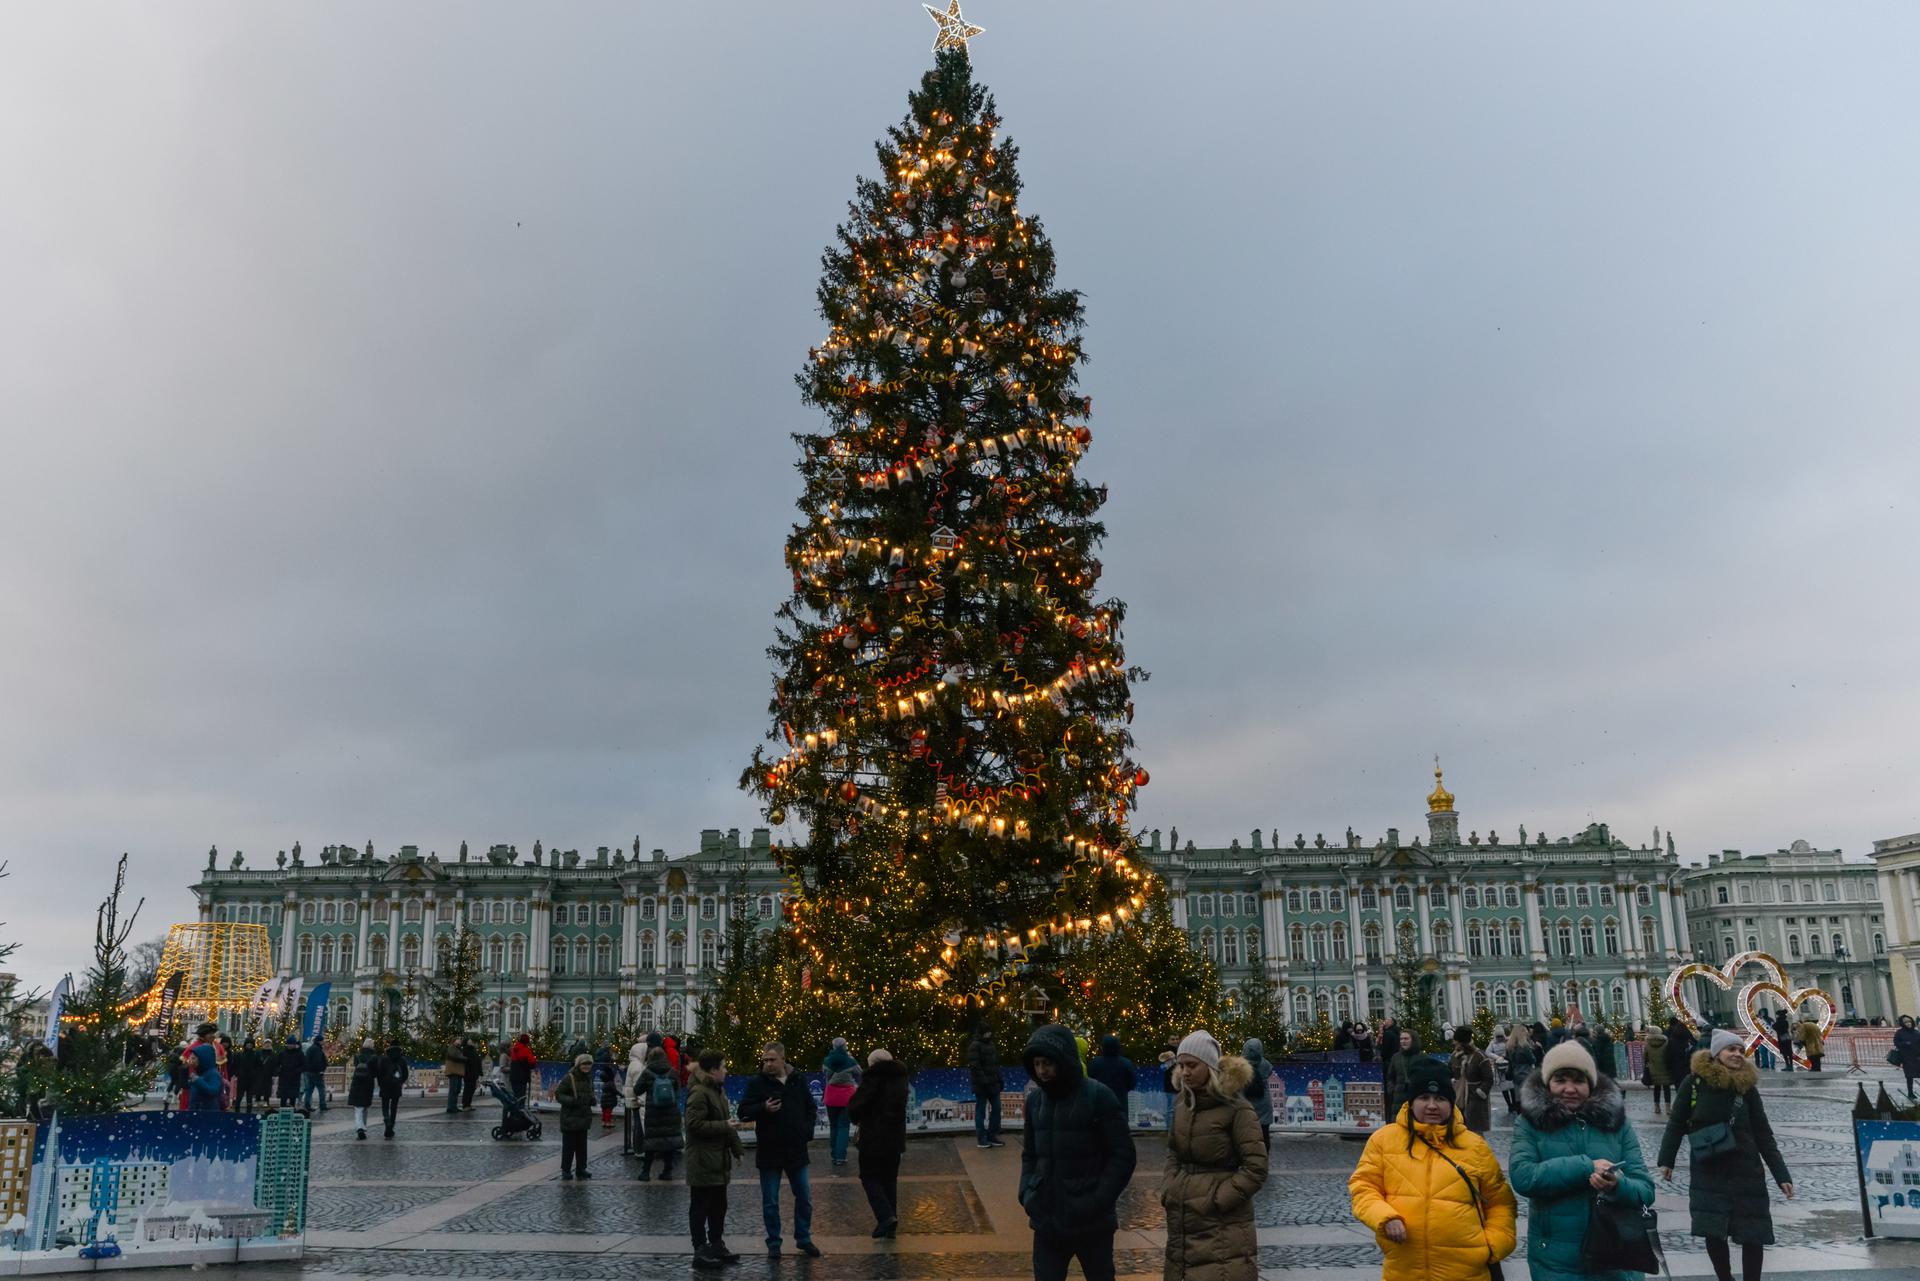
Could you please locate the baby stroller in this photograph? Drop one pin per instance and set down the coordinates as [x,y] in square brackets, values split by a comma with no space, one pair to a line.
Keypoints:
[514,1118]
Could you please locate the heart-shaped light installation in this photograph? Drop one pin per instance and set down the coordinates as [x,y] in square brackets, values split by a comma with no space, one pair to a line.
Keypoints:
[1774,983]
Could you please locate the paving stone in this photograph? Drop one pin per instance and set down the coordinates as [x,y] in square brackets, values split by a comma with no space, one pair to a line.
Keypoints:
[660,1209]
[398,1161]
[754,1265]
[346,1208]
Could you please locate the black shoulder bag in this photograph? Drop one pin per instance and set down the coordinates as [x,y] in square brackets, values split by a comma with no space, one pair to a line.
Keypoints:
[1718,1139]
[1494,1271]
[1622,1238]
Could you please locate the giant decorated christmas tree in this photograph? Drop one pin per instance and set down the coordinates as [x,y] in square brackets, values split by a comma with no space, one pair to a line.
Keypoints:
[951,696]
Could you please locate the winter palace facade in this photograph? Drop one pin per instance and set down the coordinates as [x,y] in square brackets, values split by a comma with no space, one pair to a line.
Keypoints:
[1524,927]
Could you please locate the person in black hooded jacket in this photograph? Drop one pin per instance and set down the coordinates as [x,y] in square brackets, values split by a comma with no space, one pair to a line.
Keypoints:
[1075,1161]
[293,1066]
[1114,1070]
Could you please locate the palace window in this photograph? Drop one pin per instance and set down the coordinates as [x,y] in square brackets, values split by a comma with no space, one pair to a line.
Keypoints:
[1476,942]
[677,909]
[496,954]
[1753,942]
[1611,932]
[1511,896]
[582,956]
[443,952]
[1376,1003]
[1339,941]
[1746,891]
[1302,1013]
[410,914]
[1314,901]
[346,952]
[497,911]
[646,949]
[1230,947]
[602,1017]
[1586,937]
[1720,894]
[1496,941]
[1369,899]
[708,911]
[676,952]
[327,913]
[709,950]
[1470,896]
[1336,901]
[1516,938]
[1565,932]
[677,1015]
[1297,943]
[307,913]
[1582,896]
[1403,898]
[520,912]
[1813,942]
[305,954]
[1294,902]
[1853,891]
[558,963]
[1606,896]
[1206,945]
[1827,892]
[1253,947]
[1343,1001]
[1502,1003]
[1649,936]
[1320,943]
[1838,944]
[1786,891]
[1206,905]
[1371,937]
[517,954]
[377,951]
[1437,894]
[603,915]
[1480,998]
[476,913]
[410,952]
[1619,998]
[1644,896]
[1879,945]
[766,906]
[1727,945]
[603,957]
[1442,937]
[1559,896]
[1522,1001]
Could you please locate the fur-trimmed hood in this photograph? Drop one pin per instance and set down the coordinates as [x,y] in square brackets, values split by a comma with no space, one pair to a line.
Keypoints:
[1605,1108]
[1230,1081]
[1720,1076]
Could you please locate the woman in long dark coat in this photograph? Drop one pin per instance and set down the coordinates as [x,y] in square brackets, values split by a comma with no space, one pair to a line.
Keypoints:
[661,1135]
[1906,1043]
[879,1108]
[360,1086]
[392,1072]
[1728,1194]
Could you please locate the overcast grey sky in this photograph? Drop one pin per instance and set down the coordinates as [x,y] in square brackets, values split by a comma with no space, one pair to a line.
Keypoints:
[397,401]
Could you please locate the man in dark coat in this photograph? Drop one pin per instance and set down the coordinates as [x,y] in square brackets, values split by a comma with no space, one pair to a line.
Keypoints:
[1783,1037]
[782,1110]
[314,1080]
[1389,1046]
[1113,1070]
[1603,1051]
[879,1108]
[574,1096]
[1075,1161]
[393,1075]
[983,1064]
[472,1081]
[293,1066]
[1679,1050]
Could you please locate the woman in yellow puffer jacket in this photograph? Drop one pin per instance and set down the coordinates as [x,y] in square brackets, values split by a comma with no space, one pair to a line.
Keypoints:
[1432,1190]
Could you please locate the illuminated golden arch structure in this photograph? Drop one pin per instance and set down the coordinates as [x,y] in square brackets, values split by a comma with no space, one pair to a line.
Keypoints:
[224,963]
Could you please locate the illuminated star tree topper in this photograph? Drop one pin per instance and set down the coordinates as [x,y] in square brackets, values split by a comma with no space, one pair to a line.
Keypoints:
[955,30]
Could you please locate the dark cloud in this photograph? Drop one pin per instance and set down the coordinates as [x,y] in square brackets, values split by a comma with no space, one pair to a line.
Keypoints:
[398,401]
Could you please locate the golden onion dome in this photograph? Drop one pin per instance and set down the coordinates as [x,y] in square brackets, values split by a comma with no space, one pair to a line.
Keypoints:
[1440,800]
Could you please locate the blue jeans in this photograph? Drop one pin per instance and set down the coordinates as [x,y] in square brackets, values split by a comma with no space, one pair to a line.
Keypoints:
[986,1117]
[802,1204]
[838,1130]
[453,1092]
[312,1083]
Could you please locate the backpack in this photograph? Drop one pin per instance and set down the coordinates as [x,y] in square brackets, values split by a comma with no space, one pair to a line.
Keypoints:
[662,1094]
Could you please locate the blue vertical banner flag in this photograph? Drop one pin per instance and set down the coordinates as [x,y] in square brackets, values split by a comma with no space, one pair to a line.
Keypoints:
[54,1004]
[316,1019]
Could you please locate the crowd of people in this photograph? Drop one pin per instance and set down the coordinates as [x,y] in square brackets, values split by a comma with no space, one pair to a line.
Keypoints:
[1427,1183]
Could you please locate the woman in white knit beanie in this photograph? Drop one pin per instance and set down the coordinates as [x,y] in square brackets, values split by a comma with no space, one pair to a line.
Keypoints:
[1216,1161]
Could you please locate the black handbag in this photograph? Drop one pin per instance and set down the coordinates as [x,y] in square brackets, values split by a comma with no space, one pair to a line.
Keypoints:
[1621,1238]
[1718,1139]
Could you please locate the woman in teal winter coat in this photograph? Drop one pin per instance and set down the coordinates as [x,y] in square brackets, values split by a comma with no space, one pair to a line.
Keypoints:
[1572,1141]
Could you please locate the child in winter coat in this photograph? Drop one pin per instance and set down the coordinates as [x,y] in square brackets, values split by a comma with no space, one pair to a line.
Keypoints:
[1431,1189]
[206,1088]
[843,1078]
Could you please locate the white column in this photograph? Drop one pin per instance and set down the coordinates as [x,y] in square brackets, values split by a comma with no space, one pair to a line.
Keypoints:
[1536,942]
[1459,915]
[1390,937]
[1422,904]
[1629,920]
[1886,993]
[1273,921]
[660,934]
[366,924]
[289,918]
[629,933]
[1675,942]
[429,935]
